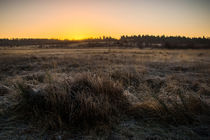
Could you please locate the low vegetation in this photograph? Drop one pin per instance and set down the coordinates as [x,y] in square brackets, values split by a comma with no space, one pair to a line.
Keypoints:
[105,93]
[88,99]
[84,101]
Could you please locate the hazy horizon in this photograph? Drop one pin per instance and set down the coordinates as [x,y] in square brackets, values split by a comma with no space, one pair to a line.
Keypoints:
[85,19]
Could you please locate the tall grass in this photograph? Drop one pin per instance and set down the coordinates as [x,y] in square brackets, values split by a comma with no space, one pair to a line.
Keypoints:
[90,100]
[84,101]
[171,102]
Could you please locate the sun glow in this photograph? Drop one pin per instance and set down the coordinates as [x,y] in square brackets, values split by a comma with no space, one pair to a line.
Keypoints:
[78,37]
[90,19]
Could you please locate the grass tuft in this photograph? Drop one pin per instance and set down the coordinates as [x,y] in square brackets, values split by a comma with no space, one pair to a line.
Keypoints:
[83,101]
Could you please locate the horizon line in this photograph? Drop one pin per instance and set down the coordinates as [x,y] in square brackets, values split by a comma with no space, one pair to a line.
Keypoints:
[101,37]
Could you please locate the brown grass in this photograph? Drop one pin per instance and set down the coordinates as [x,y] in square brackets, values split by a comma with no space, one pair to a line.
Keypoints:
[86,100]
[170,101]
[90,88]
[89,99]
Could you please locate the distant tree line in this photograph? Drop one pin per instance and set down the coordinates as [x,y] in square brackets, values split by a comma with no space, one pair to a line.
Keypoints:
[170,42]
[140,41]
[25,42]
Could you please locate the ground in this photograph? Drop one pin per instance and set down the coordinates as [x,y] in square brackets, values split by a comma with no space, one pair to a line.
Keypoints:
[168,91]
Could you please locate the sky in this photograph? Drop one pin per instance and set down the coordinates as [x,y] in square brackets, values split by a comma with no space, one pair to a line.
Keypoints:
[81,19]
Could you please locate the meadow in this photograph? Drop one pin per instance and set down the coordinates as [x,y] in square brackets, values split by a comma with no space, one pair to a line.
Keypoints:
[104,93]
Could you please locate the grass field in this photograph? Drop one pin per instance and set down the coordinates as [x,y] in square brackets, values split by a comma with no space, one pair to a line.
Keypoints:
[104,93]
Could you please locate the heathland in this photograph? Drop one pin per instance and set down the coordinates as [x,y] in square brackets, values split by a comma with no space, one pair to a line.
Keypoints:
[47,92]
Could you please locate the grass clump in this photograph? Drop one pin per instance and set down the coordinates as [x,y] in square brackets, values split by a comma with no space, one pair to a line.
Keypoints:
[170,102]
[85,100]
[128,76]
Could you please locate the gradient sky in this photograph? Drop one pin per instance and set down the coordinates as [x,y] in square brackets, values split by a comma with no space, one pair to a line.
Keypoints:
[79,19]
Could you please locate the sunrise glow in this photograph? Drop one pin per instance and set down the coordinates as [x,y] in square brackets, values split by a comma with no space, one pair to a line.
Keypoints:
[90,18]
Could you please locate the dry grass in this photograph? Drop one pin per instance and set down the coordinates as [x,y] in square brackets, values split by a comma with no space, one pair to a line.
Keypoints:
[170,102]
[84,101]
[89,99]
[87,88]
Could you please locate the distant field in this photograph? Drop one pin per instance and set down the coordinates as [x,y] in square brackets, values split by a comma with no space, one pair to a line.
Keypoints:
[104,93]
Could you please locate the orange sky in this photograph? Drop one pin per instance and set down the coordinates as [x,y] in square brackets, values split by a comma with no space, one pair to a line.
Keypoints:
[81,19]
